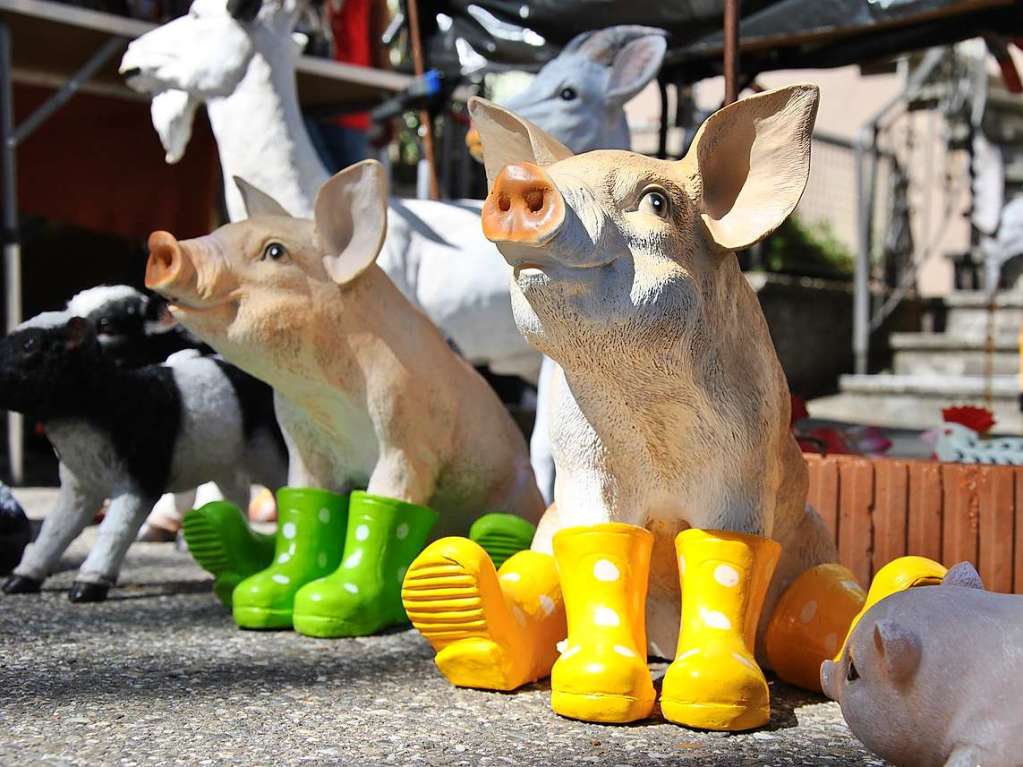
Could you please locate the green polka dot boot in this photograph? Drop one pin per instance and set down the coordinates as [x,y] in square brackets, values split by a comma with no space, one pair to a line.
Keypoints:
[220,539]
[310,530]
[501,535]
[364,595]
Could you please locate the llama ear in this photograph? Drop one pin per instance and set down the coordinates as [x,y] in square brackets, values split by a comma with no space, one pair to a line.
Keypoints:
[351,219]
[257,202]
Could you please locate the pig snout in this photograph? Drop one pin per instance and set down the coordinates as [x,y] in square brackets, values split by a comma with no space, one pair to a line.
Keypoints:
[829,679]
[524,207]
[169,270]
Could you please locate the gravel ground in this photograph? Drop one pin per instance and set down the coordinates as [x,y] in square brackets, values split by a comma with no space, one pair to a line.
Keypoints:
[159,675]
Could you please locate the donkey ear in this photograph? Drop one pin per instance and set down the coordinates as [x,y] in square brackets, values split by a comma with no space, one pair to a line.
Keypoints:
[351,219]
[257,202]
[507,138]
[634,66]
[752,161]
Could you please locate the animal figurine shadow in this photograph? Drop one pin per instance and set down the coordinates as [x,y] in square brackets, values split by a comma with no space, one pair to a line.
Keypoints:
[930,676]
[241,65]
[130,435]
[677,469]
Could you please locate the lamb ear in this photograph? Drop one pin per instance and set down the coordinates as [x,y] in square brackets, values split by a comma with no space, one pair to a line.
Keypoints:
[351,219]
[635,66]
[964,575]
[80,332]
[257,202]
[898,647]
[752,160]
[507,138]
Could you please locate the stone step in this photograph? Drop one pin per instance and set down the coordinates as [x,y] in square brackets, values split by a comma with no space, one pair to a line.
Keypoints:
[948,354]
[967,313]
[916,401]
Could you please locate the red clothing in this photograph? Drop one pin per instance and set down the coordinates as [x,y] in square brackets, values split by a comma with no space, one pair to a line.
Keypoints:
[351,29]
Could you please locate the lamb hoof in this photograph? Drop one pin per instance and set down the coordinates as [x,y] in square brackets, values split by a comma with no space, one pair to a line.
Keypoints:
[87,592]
[21,584]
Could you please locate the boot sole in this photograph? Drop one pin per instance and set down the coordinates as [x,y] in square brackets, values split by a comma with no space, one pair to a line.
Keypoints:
[444,602]
[325,627]
[600,707]
[721,717]
[261,618]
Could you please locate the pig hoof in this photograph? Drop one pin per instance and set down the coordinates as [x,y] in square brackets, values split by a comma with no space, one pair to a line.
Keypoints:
[87,592]
[21,584]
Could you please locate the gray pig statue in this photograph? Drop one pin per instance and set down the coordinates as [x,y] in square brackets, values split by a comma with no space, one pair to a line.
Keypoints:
[934,676]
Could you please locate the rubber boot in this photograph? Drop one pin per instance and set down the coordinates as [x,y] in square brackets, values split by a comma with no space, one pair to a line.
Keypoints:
[310,535]
[220,540]
[363,596]
[714,683]
[492,630]
[810,622]
[898,575]
[602,674]
[502,535]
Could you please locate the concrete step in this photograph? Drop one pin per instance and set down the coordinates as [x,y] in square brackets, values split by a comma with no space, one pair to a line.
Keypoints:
[916,401]
[948,354]
[967,313]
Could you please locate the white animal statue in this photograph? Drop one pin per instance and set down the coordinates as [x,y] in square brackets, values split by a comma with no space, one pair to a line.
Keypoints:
[670,427]
[243,70]
[367,391]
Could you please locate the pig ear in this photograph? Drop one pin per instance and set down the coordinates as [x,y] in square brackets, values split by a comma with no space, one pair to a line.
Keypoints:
[80,333]
[257,202]
[635,66]
[351,219]
[964,575]
[898,647]
[507,138]
[752,160]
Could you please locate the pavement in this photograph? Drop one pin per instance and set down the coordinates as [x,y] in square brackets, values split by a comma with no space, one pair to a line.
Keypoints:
[159,675]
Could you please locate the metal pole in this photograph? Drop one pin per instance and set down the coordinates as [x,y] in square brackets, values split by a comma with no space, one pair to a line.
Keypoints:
[424,115]
[10,238]
[731,33]
[866,161]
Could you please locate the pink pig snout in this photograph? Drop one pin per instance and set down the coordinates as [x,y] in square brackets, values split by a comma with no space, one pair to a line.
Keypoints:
[169,270]
[524,206]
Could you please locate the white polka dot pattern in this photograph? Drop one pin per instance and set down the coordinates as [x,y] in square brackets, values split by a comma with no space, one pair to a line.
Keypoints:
[727,576]
[605,570]
[605,616]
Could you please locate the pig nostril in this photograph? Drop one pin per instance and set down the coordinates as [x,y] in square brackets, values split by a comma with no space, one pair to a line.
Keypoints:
[534,200]
[504,203]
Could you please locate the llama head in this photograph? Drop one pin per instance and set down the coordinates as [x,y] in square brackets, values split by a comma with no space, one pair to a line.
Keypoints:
[205,55]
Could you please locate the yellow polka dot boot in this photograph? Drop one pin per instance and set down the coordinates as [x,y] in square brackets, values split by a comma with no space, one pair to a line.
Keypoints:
[810,623]
[602,674]
[714,683]
[898,575]
[491,629]
[310,535]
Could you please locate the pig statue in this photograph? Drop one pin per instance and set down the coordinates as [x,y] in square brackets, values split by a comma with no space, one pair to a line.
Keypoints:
[676,467]
[367,391]
[931,676]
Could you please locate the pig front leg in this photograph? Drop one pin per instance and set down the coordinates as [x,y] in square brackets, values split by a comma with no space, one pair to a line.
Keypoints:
[99,572]
[400,476]
[76,507]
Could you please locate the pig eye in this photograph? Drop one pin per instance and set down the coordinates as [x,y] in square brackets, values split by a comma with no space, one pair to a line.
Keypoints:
[852,674]
[655,202]
[274,251]
[568,94]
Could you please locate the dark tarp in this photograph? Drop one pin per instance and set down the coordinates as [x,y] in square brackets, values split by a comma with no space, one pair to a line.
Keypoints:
[774,34]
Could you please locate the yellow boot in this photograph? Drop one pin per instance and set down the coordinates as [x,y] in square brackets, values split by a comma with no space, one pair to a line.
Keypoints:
[493,630]
[898,575]
[810,623]
[602,674]
[714,683]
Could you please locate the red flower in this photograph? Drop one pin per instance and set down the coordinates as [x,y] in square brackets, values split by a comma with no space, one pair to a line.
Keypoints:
[980,419]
